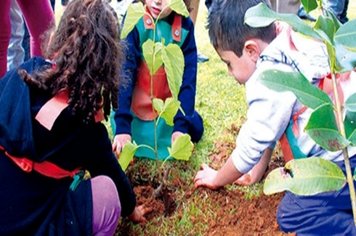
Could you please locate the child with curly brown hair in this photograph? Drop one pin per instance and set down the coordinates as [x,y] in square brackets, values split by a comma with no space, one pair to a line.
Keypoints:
[51,133]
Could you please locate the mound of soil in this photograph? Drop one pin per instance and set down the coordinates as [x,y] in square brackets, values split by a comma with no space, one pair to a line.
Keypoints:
[235,212]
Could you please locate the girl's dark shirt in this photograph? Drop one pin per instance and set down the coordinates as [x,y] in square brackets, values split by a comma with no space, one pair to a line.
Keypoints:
[29,200]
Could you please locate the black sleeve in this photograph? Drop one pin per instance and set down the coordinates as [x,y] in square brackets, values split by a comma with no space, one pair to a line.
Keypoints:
[102,161]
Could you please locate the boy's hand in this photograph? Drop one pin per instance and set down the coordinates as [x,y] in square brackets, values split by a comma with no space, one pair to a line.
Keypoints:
[206,177]
[175,135]
[138,214]
[119,142]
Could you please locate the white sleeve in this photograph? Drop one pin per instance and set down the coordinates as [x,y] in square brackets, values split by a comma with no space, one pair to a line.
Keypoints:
[268,115]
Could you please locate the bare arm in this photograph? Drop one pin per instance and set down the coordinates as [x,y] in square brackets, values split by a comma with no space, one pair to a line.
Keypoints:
[210,178]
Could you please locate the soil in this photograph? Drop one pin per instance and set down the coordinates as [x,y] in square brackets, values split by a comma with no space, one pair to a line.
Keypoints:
[236,212]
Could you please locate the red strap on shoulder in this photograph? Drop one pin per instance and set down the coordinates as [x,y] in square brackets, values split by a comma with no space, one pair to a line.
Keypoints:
[147,20]
[177,28]
[51,109]
[45,168]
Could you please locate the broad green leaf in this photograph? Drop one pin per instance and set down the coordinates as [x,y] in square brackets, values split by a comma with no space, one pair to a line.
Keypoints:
[323,130]
[127,154]
[261,16]
[152,54]
[350,126]
[309,5]
[179,7]
[173,60]
[134,13]
[158,104]
[345,58]
[182,148]
[346,35]
[167,110]
[350,103]
[307,93]
[306,176]
[326,28]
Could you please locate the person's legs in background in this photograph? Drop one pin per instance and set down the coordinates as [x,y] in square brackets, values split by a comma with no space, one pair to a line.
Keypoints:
[5,34]
[338,7]
[38,16]
[15,52]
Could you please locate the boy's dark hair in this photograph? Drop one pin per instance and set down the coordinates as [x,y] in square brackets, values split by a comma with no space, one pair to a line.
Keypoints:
[87,54]
[227,29]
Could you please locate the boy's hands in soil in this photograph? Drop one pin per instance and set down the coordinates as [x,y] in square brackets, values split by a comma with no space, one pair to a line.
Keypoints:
[138,214]
[206,177]
[119,142]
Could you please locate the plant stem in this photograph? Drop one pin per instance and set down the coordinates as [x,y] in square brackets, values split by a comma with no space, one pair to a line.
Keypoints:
[158,190]
[146,146]
[341,127]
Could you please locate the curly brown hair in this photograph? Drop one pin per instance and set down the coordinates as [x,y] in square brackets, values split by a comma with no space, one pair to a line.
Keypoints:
[87,53]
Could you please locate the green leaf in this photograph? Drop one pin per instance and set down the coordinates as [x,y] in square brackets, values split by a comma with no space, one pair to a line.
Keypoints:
[134,13]
[336,21]
[306,176]
[173,60]
[345,58]
[346,35]
[158,104]
[307,93]
[127,154]
[323,130]
[350,126]
[179,7]
[182,148]
[350,103]
[309,5]
[167,110]
[326,28]
[333,63]
[262,16]
[152,54]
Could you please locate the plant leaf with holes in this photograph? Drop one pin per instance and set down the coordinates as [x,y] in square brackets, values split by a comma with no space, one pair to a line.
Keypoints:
[306,176]
[323,130]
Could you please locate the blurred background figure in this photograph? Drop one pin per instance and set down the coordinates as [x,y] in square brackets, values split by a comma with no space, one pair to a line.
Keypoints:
[38,15]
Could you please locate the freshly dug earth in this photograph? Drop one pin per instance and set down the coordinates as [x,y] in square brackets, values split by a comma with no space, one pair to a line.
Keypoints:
[235,211]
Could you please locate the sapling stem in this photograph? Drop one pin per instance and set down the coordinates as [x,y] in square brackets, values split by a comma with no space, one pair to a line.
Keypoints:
[158,191]
[345,153]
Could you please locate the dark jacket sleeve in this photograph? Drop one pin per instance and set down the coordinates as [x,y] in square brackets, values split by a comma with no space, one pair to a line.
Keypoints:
[123,116]
[188,89]
[102,161]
